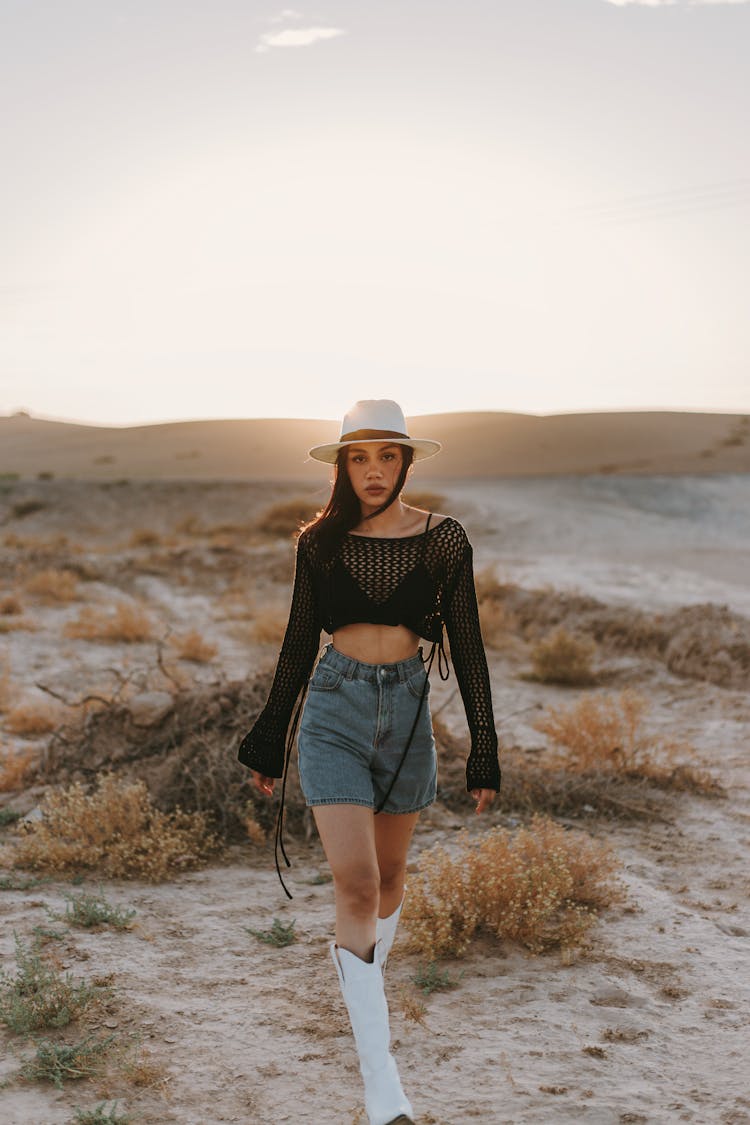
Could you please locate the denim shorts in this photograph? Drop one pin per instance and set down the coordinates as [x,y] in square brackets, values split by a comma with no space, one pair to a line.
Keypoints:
[355,724]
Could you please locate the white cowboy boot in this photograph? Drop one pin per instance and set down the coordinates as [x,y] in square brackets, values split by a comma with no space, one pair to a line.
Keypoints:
[362,989]
[385,932]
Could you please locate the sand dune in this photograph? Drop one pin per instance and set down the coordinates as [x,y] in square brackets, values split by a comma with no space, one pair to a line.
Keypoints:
[476,444]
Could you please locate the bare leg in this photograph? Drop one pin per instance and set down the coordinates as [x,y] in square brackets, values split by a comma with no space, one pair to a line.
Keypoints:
[348,836]
[347,833]
[393,833]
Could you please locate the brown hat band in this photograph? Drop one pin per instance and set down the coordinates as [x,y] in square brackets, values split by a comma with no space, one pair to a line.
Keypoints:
[371,435]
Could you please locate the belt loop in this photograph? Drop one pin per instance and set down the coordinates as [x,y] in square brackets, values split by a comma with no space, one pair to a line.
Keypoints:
[352,666]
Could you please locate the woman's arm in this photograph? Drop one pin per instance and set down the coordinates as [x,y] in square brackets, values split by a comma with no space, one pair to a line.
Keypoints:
[461,615]
[262,748]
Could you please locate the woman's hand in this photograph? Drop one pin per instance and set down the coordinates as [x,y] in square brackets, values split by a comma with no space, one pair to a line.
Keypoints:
[483,798]
[263,784]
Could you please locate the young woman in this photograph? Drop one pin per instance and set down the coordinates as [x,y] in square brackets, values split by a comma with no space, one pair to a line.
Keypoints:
[377,575]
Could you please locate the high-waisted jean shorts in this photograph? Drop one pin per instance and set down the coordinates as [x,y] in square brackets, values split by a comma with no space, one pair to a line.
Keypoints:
[355,724]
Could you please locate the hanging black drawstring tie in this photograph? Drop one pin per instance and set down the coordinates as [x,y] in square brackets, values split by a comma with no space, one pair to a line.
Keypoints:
[278,836]
[437,647]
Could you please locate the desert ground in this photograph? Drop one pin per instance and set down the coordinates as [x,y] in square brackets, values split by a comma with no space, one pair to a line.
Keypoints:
[647,1022]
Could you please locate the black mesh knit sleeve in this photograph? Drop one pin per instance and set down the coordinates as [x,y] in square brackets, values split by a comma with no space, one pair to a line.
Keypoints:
[262,748]
[461,616]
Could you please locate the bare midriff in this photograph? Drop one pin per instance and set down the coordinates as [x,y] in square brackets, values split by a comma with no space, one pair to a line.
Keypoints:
[376,644]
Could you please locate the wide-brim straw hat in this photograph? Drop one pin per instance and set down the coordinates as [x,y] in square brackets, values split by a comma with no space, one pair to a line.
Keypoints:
[375,419]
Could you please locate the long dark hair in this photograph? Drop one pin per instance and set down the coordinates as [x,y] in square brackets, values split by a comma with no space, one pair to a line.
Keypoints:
[343,511]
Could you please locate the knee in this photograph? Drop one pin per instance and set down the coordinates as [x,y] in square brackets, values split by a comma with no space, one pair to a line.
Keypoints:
[359,891]
[392,878]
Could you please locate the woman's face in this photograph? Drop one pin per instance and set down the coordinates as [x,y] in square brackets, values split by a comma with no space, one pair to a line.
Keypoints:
[373,469]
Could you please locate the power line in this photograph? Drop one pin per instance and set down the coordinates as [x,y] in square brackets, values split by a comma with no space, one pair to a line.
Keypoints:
[665,204]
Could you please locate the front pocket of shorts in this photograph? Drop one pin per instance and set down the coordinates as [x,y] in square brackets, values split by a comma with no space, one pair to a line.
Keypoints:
[326,679]
[416,684]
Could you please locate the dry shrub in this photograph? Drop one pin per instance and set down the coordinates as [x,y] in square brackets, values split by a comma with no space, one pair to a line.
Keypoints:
[128,623]
[146,1072]
[704,642]
[412,1007]
[287,517]
[190,525]
[17,625]
[496,623]
[236,605]
[188,758]
[33,718]
[561,658]
[243,632]
[540,886]
[255,831]
[607,734]
[193,527]
[38,543]
[228,532]
[10,606]
[600,732]
[15,769]
[53,585]
[22,508]
[269,627]
[145,537]
[7,691]
[488,586]
[116,831]
[537,781]
[191,646]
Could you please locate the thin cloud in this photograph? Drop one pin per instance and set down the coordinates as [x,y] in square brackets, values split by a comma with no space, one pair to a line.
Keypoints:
[673,3]
[297,37]
[284,15]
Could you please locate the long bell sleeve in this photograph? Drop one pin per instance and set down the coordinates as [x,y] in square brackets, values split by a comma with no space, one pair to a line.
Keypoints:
[262,748]
[461,615]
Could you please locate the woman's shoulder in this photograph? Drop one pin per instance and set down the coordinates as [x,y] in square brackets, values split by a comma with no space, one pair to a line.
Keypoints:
[449,535]
[306,543]
[449,524]
[437,519]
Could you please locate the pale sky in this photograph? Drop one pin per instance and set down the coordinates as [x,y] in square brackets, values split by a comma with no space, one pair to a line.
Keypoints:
[225,209]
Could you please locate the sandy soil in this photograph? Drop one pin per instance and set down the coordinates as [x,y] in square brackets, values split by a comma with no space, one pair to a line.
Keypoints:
[649,1026]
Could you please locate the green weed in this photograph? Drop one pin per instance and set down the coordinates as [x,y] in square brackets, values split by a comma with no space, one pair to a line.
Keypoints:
[43,934]
[100,1115]
[430,979]
[93,910]
[279,934]
[40,996]
[63,1062]
[19,882]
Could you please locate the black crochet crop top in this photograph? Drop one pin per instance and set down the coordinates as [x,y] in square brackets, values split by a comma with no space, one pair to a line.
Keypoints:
[370,585]
[423,581]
